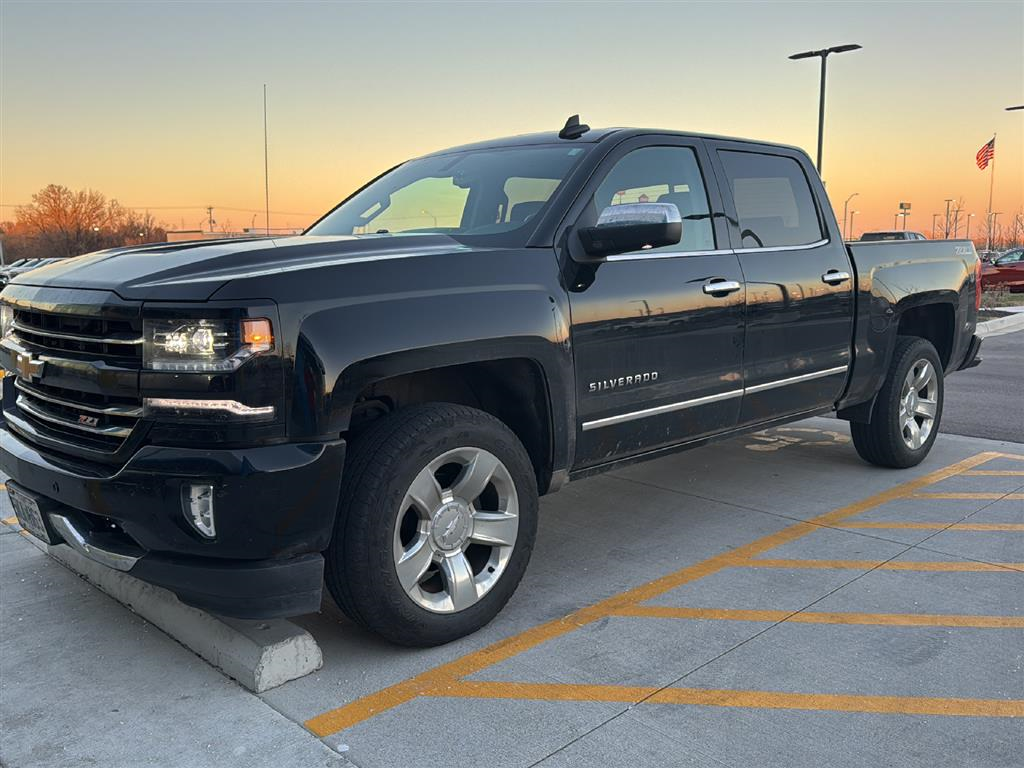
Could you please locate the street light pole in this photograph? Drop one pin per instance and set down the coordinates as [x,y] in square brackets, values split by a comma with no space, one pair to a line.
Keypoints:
[946,230]
[823,54]
[934,217]
[852,214]
[992,226]
[968,235]
[845,205]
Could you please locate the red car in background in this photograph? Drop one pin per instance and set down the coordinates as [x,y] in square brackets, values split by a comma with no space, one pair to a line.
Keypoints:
[1006,270]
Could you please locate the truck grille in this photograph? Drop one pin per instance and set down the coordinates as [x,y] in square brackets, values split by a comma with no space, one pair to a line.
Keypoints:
[85,419]
[115,342]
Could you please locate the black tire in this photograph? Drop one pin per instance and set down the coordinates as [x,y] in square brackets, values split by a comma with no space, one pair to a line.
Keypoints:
[381,466]
[881,441]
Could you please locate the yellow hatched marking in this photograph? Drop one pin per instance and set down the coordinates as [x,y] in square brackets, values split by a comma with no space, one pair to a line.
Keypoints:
[824,702]
[941,526]
[813,617]
[361,709]
[995,473]
[967,496]
[892,565]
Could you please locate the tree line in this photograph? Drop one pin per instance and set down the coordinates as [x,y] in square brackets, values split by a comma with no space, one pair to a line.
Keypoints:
[61,222]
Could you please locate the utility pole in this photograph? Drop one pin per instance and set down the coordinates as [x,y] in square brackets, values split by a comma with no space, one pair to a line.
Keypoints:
[209,217]
[823,54]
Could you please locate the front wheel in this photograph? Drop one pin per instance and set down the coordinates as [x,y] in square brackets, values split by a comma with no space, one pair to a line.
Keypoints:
[906,415]
[436,524]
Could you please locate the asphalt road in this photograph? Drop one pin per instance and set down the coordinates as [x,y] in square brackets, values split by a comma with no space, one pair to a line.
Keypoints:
[986,401]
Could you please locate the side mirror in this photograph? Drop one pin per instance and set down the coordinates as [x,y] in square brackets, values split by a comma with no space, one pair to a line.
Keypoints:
[632,227]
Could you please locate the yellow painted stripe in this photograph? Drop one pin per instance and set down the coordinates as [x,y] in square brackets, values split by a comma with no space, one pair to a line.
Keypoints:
[813,617]
[893,565]
[966,496]
[361,709]
[1016,456]
[819,702]
[10,521]
[941,526]
[995,472]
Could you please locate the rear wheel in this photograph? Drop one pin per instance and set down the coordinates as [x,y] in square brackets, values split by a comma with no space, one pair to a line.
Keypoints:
[436,524]
[906,415]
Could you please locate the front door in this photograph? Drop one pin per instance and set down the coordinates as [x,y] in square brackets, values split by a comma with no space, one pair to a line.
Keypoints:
[799,279]
[657,349]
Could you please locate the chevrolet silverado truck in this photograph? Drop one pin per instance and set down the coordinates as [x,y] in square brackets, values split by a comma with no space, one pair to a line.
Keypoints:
[378,403]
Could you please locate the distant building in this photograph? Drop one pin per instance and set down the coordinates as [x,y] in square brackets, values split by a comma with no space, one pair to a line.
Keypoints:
[183,235]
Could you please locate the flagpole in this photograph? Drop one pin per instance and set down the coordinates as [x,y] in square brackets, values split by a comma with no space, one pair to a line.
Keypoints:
[991,184]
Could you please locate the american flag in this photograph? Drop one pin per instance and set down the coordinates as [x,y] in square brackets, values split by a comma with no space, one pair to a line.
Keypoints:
[986,154]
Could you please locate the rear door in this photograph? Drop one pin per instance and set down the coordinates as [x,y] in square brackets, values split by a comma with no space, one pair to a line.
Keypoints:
[657,349]
[799,281]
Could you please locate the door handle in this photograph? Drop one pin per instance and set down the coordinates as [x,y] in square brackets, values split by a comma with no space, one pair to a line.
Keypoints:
[835,277]
[719,286]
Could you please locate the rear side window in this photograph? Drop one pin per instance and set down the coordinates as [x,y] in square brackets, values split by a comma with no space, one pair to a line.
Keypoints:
[773,200]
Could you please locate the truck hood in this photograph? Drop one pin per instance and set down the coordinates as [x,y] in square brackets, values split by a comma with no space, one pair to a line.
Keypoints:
[195,270]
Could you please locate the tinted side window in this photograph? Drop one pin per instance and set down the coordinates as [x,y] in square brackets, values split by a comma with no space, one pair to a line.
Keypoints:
[773,200]
[662,175]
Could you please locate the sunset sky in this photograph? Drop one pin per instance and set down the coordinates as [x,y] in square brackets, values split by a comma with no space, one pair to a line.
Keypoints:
[160,104]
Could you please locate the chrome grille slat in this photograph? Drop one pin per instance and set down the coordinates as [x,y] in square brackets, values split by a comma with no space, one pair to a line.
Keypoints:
[76,337]
[34,411]
[125,411]
[114,341]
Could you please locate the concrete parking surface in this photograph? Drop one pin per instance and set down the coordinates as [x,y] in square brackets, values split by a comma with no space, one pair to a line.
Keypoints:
[768,601]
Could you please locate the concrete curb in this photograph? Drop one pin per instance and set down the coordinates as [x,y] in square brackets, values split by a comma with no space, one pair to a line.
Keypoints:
[258,654]
[1001,325]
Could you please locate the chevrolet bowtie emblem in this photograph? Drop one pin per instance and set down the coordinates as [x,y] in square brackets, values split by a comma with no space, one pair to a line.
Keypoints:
[29,368]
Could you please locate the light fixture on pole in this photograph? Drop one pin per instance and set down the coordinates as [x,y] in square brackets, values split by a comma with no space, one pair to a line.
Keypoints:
[823,54]
[1014,109]
[845,205]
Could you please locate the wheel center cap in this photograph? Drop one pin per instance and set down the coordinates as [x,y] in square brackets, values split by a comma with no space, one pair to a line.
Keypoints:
[451,525]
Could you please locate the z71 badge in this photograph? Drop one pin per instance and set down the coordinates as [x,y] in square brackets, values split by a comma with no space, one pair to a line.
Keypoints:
[624,381]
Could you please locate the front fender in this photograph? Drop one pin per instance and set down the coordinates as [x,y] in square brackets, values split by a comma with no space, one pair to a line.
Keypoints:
[490,313]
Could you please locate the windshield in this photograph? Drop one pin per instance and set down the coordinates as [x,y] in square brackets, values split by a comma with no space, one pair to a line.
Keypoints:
[488,196]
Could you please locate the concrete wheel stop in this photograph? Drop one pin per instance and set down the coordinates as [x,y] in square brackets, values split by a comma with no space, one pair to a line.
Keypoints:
[258,654]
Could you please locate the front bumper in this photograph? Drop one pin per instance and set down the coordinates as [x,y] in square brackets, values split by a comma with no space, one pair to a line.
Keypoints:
[275,508]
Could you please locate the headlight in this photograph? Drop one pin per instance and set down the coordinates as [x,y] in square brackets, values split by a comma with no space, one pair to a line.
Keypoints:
[204,345]
[6,320]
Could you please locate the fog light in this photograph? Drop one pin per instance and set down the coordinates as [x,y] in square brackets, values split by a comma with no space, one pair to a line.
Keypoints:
[197,503]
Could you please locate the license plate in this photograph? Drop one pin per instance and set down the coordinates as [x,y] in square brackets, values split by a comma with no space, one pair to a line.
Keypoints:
[26,509]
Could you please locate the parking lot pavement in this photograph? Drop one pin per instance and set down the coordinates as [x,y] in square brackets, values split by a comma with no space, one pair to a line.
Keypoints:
[770,600]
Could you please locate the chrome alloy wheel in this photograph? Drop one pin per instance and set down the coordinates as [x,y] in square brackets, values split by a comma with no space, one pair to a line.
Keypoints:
[456,529]
[918,404]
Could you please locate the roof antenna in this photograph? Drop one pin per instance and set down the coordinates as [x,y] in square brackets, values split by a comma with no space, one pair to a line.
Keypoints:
[573,129]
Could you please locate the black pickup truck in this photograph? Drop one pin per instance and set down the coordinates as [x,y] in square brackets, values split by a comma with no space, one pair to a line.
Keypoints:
[380,401]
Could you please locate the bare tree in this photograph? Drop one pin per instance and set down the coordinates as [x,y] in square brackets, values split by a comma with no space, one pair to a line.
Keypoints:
[60,222]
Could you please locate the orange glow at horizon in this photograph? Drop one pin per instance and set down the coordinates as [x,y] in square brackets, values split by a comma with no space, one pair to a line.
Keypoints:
[159,111]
